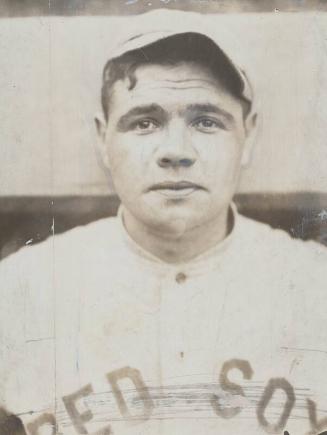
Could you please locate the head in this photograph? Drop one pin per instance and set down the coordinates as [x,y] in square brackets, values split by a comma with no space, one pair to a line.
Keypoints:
[175,131]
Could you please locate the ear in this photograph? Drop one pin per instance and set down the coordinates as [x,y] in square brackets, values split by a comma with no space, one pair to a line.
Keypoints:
[251,130]
[101,148]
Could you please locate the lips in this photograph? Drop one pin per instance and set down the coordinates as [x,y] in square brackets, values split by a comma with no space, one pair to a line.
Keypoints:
[176,188]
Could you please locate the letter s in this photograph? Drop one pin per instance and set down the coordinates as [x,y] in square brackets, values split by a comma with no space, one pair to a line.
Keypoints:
[246,369]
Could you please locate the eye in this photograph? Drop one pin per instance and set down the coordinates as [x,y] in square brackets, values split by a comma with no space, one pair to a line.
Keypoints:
[208,125]
[145,125]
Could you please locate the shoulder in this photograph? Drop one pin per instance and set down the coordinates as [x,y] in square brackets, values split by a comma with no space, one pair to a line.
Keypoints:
[278,247]
[290,274]
[72,245]
[256,230]
[96,233]
[62,265]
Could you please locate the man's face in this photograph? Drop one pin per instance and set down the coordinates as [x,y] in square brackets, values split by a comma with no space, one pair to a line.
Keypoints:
[174,146]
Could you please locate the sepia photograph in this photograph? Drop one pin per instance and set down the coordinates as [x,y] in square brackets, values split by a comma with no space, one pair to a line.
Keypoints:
[163,217]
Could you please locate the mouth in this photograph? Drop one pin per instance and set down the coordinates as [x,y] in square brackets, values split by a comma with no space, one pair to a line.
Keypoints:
[176,189]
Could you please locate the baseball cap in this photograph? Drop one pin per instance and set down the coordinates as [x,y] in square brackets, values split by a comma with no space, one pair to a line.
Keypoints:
[207,46]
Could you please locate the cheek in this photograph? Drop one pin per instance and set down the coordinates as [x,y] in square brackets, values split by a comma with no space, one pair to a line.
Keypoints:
[119,152]
[127,161]
[221,155]
[131,152]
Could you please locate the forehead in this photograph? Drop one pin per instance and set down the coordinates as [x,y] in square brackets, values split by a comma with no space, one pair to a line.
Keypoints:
[172,86]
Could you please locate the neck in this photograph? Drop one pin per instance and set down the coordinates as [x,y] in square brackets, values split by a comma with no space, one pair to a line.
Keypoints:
[172,247]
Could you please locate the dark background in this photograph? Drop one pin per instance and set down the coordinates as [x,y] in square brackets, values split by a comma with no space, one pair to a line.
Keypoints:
[29,220]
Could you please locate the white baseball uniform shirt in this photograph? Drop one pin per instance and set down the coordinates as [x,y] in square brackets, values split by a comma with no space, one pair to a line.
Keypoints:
[100,337]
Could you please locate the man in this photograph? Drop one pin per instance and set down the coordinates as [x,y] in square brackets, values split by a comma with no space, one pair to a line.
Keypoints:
[179,316]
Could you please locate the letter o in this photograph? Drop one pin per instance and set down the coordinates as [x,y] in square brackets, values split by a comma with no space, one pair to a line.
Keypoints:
[272,386]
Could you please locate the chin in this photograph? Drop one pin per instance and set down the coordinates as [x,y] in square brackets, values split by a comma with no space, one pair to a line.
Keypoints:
[174,223]
[175,211]
[173,229]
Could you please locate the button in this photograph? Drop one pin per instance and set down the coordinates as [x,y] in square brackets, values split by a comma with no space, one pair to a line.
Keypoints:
[180,277]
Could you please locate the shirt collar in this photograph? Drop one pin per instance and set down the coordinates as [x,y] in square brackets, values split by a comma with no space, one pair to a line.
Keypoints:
[202,262]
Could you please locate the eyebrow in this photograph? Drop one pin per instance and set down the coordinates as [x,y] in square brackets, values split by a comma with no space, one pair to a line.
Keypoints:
[148,109]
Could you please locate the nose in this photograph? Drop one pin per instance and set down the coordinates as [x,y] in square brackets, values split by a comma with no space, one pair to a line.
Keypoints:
[176,149]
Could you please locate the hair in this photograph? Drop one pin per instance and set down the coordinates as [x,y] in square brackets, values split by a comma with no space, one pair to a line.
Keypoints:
[185,47]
